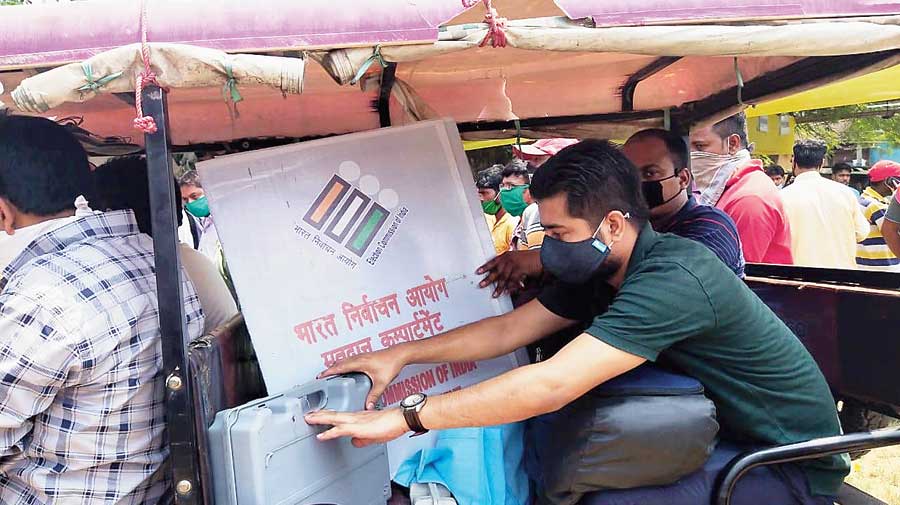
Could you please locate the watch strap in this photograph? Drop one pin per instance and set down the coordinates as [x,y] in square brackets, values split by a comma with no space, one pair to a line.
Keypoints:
[412,420]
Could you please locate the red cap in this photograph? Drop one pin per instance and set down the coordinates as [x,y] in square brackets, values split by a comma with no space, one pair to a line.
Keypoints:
[884,169]
[543,147]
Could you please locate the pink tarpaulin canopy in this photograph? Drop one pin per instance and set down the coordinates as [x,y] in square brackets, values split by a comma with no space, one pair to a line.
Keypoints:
[627,12]
[50,34]
[553,67]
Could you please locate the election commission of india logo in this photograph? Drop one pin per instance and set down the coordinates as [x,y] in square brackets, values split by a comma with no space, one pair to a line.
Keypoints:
[352,208]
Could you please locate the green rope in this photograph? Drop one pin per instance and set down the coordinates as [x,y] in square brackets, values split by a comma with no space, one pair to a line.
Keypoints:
[376,56]
[95,84]
[230,89]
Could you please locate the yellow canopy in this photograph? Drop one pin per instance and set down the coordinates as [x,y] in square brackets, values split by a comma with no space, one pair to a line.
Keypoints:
[875,87]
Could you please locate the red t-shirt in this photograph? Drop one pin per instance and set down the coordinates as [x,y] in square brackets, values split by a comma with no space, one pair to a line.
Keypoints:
[753,202]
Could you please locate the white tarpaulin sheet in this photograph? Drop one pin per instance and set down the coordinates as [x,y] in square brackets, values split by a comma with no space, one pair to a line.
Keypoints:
[353,244]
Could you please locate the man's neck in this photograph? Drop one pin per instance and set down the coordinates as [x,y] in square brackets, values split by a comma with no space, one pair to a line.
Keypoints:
[662,222]
[25,220]
[500,213]
[801,170]
[626,246]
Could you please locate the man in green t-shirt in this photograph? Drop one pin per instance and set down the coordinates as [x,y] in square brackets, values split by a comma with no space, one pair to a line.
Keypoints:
[674,303]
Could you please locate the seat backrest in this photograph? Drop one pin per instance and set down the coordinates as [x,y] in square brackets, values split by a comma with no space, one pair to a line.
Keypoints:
[225,374]
[847,329]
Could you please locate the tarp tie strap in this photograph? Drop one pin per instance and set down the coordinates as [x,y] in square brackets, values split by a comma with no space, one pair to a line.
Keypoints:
[376,56]
[230,90]
[95,84]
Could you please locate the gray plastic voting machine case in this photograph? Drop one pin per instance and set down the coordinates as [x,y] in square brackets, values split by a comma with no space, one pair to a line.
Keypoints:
[264,453]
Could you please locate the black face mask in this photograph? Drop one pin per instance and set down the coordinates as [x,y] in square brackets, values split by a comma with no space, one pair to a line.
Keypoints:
[578,262]
[653,192]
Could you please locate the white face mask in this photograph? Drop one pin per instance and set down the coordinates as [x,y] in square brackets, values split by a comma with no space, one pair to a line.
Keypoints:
[11,246]
[712,171]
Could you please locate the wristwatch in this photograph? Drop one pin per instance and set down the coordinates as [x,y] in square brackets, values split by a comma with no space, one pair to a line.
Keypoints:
[411,406]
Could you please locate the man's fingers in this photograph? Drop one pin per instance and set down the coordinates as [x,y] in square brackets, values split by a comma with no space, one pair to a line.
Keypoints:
[491,277]
[487,266]
[335,369]
[333,433]
[320,417]
[372,398]
[359,443]
[328,417]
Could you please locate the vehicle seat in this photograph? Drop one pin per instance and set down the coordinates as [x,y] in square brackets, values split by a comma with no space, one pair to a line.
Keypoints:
[699,487]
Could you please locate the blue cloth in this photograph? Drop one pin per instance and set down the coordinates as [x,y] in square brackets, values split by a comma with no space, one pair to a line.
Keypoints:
[480,466]
[712,228]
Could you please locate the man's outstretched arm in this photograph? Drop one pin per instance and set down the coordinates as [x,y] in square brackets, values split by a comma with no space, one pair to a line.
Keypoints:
[516,395]
[485,339]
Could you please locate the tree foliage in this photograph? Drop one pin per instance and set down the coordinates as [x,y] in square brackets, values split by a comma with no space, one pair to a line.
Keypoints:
[851,124]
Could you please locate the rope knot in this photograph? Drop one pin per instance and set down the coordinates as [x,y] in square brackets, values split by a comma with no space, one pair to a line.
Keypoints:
[496,25]
[145,124]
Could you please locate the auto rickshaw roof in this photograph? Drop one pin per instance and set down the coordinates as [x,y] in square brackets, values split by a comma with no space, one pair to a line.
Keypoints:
[576,68]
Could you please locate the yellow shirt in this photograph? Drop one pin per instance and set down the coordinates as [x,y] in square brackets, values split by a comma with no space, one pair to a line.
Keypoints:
[826,222]
[502,231]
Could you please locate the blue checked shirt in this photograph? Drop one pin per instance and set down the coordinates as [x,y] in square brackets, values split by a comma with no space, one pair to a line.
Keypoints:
[81,388]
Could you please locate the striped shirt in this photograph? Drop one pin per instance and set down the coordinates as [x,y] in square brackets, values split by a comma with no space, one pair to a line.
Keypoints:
[82,416]
[873,252]
[712,228]
[530,232]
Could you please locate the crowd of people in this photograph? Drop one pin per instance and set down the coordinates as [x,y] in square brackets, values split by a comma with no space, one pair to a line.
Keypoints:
[621,259]
[802,218]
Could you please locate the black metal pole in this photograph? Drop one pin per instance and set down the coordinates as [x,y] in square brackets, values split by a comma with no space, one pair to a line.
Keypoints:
[801,451]
[183,452]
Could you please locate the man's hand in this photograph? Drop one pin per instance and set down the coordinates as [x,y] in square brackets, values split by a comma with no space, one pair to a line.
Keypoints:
[381,366]
[509,270]
[365,428]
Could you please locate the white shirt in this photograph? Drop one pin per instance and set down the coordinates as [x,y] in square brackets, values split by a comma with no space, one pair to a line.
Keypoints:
[209,239]
[215,298]
[826,222]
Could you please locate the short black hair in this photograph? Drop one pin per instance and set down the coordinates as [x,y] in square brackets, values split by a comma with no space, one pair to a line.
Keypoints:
[675,144]
[734,125]
[841,167]
[809,153]
[43,167]
[122,184]
[490,178]
[190,178]
[596,178]
[774,170]
[516,168]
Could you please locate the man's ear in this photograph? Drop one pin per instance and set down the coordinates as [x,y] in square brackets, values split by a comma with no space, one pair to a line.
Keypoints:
[617,223]
[684,178]
[7,216]
[734,143]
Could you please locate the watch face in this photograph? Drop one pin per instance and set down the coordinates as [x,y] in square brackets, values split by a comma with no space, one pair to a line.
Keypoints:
[412,400]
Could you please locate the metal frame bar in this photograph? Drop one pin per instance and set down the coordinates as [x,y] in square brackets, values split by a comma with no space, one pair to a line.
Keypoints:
[388,77]
[797,76]
[636,78]
[800,452]
[557,120]
[880,280]
[182,438]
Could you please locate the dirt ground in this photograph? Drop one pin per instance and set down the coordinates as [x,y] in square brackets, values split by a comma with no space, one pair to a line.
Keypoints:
[878,473]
